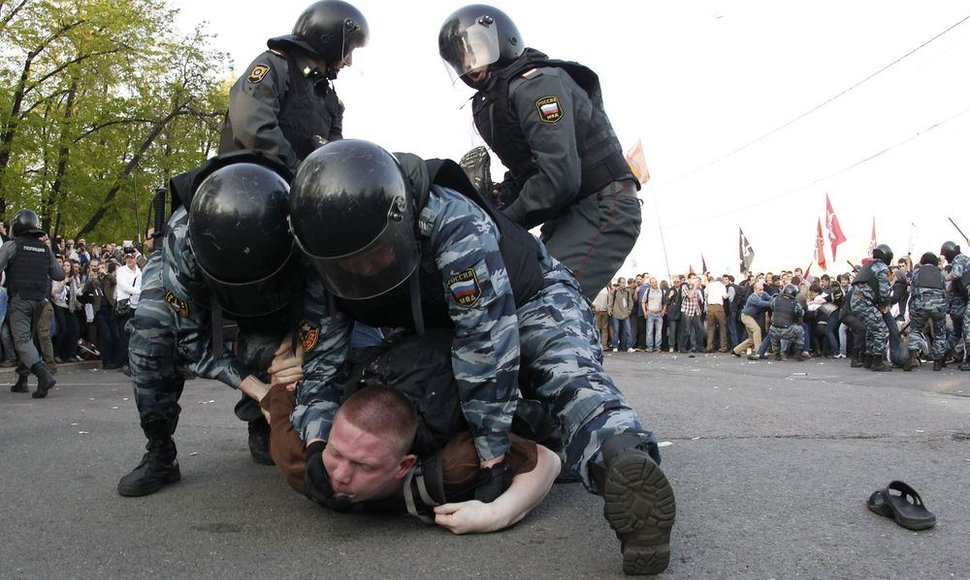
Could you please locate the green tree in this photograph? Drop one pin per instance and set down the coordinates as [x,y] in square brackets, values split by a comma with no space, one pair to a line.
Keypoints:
[104,102]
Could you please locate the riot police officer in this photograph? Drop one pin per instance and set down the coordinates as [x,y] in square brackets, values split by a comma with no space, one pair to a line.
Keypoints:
[229,253]
[417,246]
[959,278]
[30,266]
[784,324]
[285,104]
[546,121]
[870,300]
[927,305]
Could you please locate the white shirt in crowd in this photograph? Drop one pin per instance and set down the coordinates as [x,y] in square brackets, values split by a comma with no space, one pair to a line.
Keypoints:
[716,292]
[129,284]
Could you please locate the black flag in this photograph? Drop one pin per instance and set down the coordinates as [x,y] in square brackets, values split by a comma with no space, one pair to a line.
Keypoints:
[745,251]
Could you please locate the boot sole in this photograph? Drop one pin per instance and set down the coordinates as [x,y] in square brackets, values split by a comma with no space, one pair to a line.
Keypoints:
[139,491]
[641,509]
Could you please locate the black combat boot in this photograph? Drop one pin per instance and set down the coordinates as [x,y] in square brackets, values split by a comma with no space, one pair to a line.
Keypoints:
[640,505]
[158,467]
[259,442]
[45,380]
[879,365]
[867,361]
[937,364]
[20,386]
[965,365]
[857,361]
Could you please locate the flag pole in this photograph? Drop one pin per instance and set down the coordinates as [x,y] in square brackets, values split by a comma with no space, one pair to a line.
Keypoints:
[663,244]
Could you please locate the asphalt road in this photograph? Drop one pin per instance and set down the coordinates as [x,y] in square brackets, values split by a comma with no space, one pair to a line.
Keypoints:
[771,465]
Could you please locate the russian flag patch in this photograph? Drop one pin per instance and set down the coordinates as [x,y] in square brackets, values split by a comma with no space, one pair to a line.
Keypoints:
[464,287]
[549,109]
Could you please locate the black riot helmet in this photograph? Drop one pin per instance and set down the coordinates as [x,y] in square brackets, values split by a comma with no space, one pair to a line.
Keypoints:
[477,36]
[352,215]
[238,233]
[883,253]
[948,250]
[929,259]
[789,291]
[26,223]
[330,29]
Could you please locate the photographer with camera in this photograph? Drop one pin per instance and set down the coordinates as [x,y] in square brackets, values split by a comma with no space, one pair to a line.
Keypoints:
[100,290]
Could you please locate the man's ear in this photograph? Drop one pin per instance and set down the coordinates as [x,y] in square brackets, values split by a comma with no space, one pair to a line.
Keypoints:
[407,462]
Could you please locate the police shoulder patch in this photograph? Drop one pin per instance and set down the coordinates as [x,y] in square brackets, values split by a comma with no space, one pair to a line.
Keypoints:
[259,71]
[549,109]
[464,287]
[309,336]
[180,306]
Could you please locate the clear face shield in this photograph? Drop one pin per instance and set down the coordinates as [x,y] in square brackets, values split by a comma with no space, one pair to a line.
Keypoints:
[382,265]
[468,51]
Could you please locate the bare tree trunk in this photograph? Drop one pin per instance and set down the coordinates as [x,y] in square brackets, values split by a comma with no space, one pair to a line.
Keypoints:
[128,169]
[63,156]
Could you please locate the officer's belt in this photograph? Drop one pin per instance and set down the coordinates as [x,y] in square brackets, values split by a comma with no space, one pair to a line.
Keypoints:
[624,186]
[782,327]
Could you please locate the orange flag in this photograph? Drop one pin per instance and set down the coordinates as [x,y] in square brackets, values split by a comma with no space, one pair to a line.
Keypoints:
[638,165]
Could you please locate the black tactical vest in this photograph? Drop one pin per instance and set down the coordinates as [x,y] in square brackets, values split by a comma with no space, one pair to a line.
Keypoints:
[599,149]
[867,276]
[28,273]
[519,249]
[783,312]
[928,276]
[308,109]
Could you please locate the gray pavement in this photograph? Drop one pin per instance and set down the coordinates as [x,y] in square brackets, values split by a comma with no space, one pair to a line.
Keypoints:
[771,464]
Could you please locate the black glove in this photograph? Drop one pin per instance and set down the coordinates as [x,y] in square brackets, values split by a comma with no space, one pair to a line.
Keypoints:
[492,482]
[316,481]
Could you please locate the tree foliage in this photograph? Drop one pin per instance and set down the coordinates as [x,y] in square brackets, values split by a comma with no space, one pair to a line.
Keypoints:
[100,103]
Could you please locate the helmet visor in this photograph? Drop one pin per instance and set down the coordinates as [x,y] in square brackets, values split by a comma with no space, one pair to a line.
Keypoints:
[469,50]
[261,297]
[379,267]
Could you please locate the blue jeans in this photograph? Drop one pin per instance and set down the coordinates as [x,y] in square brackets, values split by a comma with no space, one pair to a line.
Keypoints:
[834,320]
[695,333]
[655,324]
[621,339]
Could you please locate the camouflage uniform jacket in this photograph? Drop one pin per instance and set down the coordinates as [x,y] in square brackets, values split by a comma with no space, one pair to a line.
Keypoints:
[464,243]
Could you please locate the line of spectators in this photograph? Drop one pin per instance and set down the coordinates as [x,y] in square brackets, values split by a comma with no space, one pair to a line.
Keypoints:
[87,311]
[702,313]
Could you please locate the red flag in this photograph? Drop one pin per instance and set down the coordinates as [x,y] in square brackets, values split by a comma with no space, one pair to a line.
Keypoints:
[872,240]
[807,270]
[836,236]
[820,247]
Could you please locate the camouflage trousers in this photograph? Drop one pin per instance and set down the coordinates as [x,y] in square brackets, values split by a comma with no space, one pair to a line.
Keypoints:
[877,333]
[928,307]
[158,369]
[152,356]
[959,310]
[793,332]
[562,367]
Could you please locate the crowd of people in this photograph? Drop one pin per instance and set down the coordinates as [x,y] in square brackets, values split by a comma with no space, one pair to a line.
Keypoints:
[342,234]
[700,313]
[84,315]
